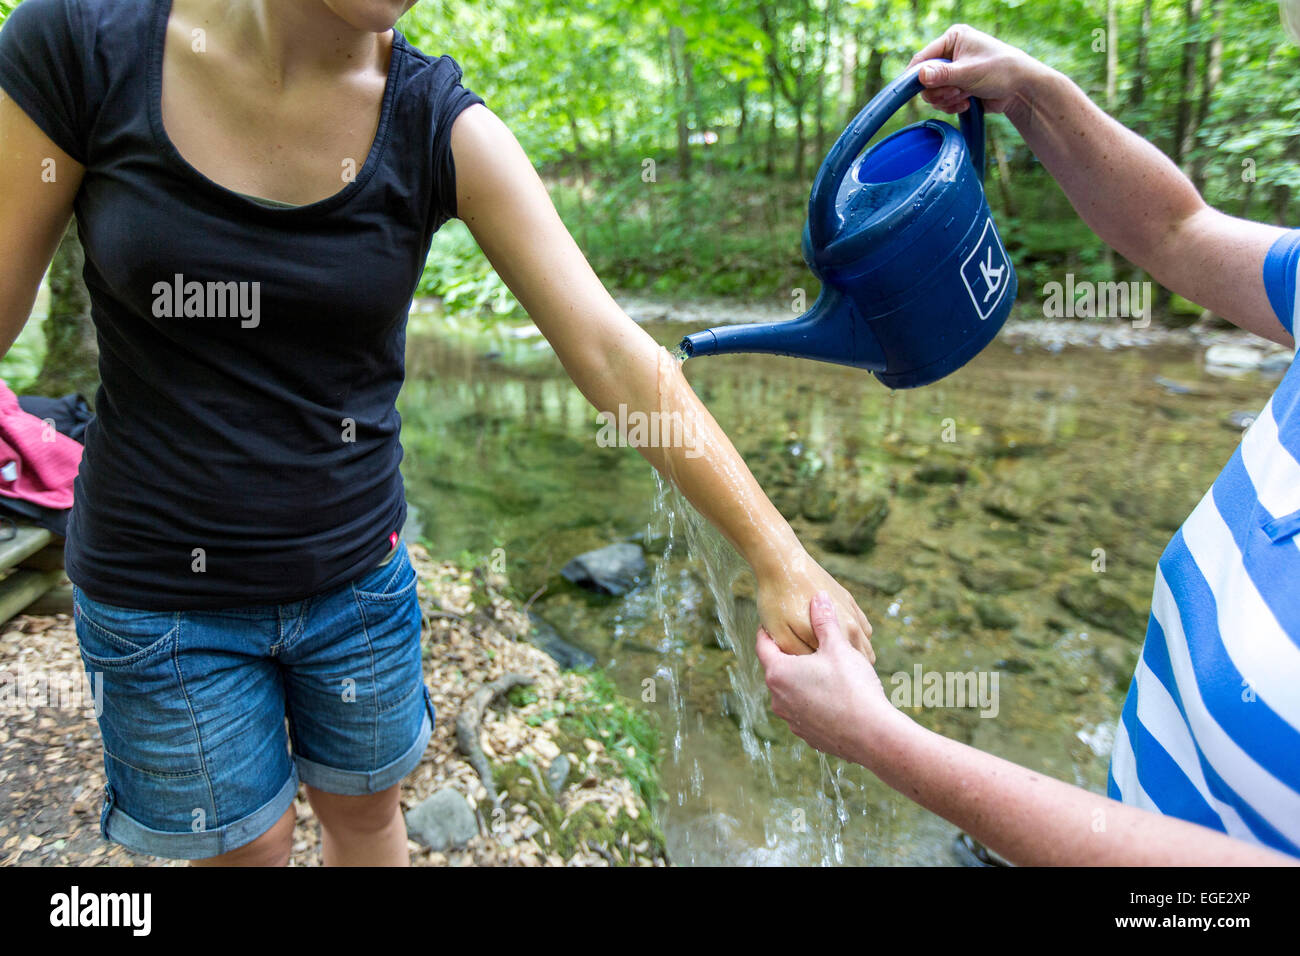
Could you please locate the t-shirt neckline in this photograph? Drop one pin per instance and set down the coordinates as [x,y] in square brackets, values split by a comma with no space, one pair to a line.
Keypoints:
[158,39]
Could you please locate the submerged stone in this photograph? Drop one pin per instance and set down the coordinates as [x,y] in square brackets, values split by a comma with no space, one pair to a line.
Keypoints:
[759,726]
[1116,661]
[1014,665]
[818,501]
[615,569]
[1240,421]
[1010,504]
[988,578]
[880,580]
[569,656]
[856,523]
[1098,602]
[994,615]
[942,474]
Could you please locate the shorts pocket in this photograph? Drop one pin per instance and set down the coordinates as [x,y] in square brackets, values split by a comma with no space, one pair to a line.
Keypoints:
[145,721]
[393,581]
[116,637]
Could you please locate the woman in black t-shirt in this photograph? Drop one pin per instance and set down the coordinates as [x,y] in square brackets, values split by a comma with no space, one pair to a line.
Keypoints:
[256,185]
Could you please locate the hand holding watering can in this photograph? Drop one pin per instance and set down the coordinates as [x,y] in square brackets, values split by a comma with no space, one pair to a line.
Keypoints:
[915,279]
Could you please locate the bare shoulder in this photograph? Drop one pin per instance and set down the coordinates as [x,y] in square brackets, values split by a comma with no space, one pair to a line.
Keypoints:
[491,166]
[478,127]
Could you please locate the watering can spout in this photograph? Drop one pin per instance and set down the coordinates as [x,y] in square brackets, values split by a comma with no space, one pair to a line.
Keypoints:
[830,332]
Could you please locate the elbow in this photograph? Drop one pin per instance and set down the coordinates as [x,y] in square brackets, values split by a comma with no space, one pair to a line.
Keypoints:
[1167,251]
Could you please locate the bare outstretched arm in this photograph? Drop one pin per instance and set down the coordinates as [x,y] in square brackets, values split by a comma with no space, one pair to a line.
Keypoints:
[614,362]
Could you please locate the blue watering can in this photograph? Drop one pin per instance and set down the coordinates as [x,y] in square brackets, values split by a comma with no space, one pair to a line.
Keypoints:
[915,279]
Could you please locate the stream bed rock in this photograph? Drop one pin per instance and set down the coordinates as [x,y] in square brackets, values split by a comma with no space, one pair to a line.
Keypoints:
[994,576]
[856,523]
[614,569]
[1101,604]
[879,580]
[569,656]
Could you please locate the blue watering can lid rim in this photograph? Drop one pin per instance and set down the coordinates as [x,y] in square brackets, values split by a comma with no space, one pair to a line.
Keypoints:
[848,246]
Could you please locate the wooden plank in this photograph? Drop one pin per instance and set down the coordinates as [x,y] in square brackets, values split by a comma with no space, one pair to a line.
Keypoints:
[23,587]
[24,544]
[49,558]
[57,600]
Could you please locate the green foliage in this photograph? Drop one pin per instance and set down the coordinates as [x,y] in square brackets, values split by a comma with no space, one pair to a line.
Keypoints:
[21,365]
[458,273]
[597,90]
[629,734]
[730,105]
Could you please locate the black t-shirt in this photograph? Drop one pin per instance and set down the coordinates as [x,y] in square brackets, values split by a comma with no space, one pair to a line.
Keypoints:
[245,447]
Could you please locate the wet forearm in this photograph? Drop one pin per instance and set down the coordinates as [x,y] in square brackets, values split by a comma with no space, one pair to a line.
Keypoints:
[684,443]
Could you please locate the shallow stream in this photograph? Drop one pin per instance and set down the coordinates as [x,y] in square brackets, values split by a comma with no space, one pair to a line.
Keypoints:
[1018,509]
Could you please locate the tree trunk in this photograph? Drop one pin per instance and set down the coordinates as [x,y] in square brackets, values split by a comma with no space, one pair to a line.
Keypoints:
[1210,78]
[72,352]
[778,81]
[694,115]
[913,105]
[578,148]
[1137,93]
[769,166]
[676,47]
[1184,128]
[819,116]
[1281,203]
[800,144]
[1282,213]
[1112,53]
[848,70]
[873,80]
[1004,173]
[823,60]
[1112,82]
[742,96]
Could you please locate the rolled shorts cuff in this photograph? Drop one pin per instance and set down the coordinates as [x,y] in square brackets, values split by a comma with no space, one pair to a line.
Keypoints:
[117,826]
[357,783]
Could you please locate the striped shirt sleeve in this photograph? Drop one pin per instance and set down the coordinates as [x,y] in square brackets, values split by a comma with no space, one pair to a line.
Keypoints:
[1280,278]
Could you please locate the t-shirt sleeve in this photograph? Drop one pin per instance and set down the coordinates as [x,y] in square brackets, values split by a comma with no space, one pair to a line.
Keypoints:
[1280,278]
[450,100]
[42,52]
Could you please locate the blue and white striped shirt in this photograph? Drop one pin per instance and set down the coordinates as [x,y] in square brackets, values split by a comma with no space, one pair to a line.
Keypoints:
[1210,731]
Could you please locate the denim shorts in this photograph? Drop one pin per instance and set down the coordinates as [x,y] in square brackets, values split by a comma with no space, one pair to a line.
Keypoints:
[211,718]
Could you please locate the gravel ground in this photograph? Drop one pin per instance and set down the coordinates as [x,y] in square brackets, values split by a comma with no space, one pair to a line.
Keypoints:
[52,777]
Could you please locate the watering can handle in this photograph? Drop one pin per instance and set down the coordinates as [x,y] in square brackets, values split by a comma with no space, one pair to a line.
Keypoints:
[822,220]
